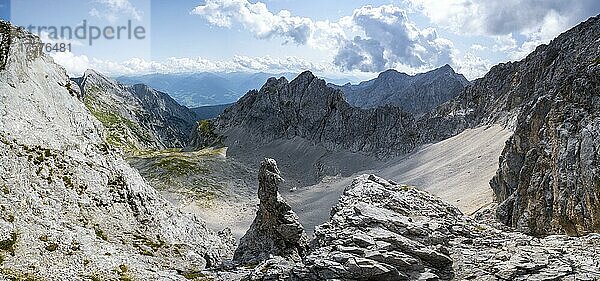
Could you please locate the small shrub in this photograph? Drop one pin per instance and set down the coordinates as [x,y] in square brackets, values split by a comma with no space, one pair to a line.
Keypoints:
[51,247]
[9,244]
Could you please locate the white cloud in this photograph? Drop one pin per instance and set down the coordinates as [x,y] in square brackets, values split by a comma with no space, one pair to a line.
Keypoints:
[504,42]
[391,39]
[77,64]
[537,22]
[501,17]
[256,18]
[371,39]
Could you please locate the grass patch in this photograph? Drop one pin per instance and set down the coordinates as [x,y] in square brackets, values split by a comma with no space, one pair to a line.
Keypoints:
[9,244]
[143,244]
[96,277]
[180,166]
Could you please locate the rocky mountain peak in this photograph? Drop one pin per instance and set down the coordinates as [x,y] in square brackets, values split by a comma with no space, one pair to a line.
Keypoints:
[276,230]
[417,94]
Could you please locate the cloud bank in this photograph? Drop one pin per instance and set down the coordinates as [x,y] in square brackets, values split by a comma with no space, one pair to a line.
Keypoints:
[77,64]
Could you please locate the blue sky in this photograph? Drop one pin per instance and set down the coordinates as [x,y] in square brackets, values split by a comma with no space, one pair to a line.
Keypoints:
[349,38]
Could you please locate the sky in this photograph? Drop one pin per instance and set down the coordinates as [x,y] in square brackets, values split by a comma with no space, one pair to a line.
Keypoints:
[349,38]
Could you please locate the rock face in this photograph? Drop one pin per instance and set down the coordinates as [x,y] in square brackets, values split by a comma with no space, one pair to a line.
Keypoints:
[137,117]
[383,231]
[275,230]
[416,94]
[549,175]
[380,230]
[71,207]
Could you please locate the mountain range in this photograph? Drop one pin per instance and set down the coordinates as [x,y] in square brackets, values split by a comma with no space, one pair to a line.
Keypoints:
[414,94]
[203,89]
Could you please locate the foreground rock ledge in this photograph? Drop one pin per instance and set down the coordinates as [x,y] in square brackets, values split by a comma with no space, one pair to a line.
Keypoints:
[381,230]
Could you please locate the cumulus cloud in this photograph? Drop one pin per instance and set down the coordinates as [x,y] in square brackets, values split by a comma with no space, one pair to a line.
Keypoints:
[472,66]
[478,47]
[256,18]
[501,17]
[391,39]
[371,39]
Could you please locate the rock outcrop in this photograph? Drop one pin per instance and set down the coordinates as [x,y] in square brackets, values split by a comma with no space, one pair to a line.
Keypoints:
[548,181]
[276,230]
[71,207]
[383,231]
[416,94]
[306,107]
[137,117]
[380,230]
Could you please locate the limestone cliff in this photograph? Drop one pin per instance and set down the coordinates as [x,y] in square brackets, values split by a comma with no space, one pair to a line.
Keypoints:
[71,207]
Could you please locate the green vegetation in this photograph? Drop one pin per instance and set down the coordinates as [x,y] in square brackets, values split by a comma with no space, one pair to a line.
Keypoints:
[596,61]
[207,134]
[123,275]
[9,244]
[96,277]
[51,247]
[6,190]
[69,88]
[119,129]
[180,166]
[68,182]
[480,228]
[100,233]
[205,126]
[142,243]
